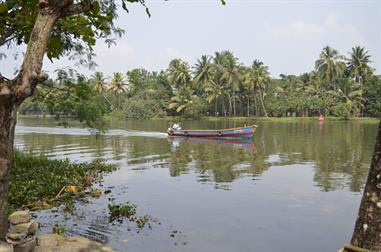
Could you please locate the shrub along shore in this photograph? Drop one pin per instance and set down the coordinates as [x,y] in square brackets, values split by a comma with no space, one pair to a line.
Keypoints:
[37,182]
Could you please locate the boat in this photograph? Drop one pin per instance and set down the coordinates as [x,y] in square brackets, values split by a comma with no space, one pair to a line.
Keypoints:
[245,131]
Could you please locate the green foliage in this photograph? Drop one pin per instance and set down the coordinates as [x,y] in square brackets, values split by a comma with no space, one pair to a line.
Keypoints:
[372,95]
[343,109]
[116,115]
[127,210]
[143,109]
[59,230]
[220,85]
[75,35]
[71,95]
[196,108]
[37,178]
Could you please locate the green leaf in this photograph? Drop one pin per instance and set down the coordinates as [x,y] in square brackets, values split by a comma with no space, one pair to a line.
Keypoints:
[96,8]
[3,7]
[124,6]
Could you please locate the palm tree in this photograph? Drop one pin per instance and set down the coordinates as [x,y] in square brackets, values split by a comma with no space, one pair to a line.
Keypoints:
[214,91]
[218,85]
[179,73]
[250,87]
[256,79]
[99,82]
[358,64]
[231,77]
[203,71]
[351,95]
[315,89]
[118,85]
[330,65]
[182,98]
[358,67]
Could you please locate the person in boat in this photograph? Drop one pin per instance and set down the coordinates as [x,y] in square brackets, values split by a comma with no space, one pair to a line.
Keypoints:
[175,126]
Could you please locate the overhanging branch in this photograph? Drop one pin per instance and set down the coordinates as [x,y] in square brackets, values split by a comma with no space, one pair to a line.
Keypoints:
[78,8]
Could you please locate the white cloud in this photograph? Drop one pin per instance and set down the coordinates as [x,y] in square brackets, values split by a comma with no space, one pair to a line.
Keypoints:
[301,41]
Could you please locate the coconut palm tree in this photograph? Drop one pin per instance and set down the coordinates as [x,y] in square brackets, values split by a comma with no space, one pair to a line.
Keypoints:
[349,94]
[256,79]
[214,91]
[330,65]
[118,86]
[182,98]
[218,85]
[231,77]
[203,71]
[98,81]
[358,64]
[179,73]
[250,87]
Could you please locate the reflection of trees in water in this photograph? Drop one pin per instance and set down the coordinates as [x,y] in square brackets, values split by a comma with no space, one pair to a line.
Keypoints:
[340,153]
[218,161]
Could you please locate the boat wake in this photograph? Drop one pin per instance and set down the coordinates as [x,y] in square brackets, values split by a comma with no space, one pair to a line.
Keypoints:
[20,130]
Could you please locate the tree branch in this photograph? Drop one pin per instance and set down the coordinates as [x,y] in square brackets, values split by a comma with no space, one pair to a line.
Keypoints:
[7,36]
[78,8]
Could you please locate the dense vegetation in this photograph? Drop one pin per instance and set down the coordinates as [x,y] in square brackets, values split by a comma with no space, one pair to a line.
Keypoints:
[219,85]
[36,180]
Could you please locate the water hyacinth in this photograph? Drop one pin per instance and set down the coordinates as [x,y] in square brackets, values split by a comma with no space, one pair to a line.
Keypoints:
[36,180]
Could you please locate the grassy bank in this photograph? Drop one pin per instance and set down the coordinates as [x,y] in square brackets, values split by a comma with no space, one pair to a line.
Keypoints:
[292,119]
[36,180]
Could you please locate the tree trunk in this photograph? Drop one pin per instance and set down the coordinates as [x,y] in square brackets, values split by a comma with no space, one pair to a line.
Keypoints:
[215,107]
[263,105]
[14,92]
[234,113]
[230,104]
[223,107]
[248,106]
[8,114]
[256,105]
[367,232]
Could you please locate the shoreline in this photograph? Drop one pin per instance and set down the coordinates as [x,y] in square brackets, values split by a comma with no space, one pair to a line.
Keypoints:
[228,118]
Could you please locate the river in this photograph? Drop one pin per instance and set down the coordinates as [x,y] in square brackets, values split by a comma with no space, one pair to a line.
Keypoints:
[294,186]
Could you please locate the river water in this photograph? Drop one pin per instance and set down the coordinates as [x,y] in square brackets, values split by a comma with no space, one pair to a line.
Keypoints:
[294,186]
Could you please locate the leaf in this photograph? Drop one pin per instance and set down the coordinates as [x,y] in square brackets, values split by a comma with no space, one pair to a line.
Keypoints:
[124,6]
[3,7]
[96,8]
[148,13]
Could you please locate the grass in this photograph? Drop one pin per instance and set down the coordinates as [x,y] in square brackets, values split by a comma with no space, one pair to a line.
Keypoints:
[292,119]
[36,180]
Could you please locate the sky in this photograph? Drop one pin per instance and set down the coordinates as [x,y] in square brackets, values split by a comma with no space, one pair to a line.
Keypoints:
[287,35]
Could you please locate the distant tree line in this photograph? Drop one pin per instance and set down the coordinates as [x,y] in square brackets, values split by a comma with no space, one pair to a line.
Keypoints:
[219,85]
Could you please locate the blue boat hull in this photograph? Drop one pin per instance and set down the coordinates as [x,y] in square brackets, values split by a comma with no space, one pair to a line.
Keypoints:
[233,132]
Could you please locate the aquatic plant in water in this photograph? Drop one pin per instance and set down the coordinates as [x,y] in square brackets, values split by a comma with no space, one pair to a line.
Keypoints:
[119,212]
[36,180]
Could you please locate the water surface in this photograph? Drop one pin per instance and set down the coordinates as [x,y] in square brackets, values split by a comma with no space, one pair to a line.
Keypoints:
[294,186]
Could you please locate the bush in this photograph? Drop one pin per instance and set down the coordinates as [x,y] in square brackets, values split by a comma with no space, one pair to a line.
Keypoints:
[343,109]
[37,178]
[143,109]
[196,109]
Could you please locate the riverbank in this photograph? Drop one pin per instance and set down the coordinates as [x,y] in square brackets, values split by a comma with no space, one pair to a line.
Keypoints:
[58,243]
[111,118]
[293,119]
